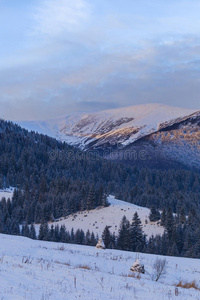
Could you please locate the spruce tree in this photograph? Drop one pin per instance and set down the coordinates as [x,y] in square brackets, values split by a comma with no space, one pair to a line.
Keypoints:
[32,233]
[137,238]
[41,232]
[91,198]
[163,217]
[63,235]
[174,250]
[107,238]
[123,240]
[88,238]
[154,214]
[169,223]
[93,240]
[26,231]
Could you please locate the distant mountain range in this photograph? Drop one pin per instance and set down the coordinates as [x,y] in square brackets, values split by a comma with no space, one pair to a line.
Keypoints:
[153,135]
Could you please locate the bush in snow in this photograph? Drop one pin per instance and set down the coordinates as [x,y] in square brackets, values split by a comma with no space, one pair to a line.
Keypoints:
[159,267]
[100,244]
[137,267]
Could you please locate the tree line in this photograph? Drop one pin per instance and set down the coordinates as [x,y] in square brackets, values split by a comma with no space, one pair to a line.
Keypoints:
[180,238]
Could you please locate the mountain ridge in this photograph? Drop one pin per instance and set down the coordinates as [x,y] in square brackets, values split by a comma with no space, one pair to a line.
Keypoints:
[132,129]
[131,122]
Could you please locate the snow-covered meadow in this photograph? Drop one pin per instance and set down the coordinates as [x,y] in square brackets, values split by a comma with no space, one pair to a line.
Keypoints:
[44,270]
[95,220]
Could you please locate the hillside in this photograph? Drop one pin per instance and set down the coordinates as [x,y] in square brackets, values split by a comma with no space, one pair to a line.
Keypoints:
[43,270]
[175,146]
[96,220]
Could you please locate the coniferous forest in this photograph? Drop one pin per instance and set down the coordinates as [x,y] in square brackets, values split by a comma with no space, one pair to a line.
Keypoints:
[53,179]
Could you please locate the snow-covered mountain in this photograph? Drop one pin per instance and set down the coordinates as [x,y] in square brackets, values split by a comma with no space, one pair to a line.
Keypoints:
[168,135]
[176,145]
[116,126]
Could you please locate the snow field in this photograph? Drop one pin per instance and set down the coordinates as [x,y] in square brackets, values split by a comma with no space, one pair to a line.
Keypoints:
[44,270]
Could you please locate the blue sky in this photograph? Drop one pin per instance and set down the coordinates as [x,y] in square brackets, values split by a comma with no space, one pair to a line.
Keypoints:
[62,56]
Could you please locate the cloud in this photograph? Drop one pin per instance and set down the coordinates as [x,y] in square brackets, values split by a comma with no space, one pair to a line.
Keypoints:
[165,73]
[85,57]
[53,18]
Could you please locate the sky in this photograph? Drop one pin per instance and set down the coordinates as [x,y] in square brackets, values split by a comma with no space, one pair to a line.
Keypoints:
[58,57]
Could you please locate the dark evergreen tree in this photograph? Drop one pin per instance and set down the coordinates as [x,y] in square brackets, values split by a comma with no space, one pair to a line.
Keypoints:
[137,238]
[154,214]
[88,238]
[56,237]
[163,217]
[107,237]
[41,232]
[79,237]
[63,234]
[93,240]
[91,198]
[72,238]
[169,223]
[174,250]
[25,230]
[32,233]
[123,240]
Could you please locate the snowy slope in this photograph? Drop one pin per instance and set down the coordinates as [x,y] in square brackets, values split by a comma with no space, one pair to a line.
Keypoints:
[6,193]
[36,270]
[96,220]
[116,126]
